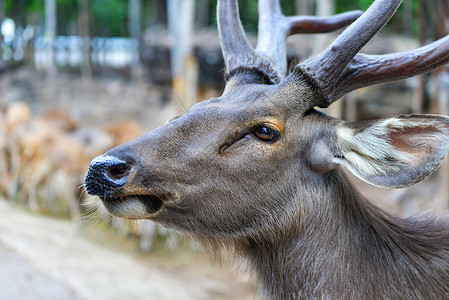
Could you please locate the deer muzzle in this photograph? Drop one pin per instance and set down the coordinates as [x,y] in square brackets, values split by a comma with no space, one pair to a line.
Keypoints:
[106,174]
[112,180]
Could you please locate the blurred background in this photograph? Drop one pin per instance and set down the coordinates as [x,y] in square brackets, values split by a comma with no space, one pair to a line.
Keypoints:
[78,77]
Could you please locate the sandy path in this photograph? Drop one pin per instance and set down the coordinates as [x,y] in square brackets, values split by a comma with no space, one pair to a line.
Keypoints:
[20,280]
[44,258]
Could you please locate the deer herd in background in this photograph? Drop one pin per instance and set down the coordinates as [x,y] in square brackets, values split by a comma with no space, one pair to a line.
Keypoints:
[44,158]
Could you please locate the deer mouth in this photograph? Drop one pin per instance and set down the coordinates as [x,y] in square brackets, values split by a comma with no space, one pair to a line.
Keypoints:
[134,206]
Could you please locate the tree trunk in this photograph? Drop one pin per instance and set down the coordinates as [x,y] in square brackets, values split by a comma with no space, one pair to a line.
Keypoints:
[2,17]
[326,8]
[134,32]
[203,14]
[419,92]
[442,102]
[440,14]
[441,77]
[183,64]
[304,7]
[407,17]
[134,18]
[439,17]
[84,32]
[50,34]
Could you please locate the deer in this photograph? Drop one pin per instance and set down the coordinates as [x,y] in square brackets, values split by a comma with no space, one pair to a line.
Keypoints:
[260,171]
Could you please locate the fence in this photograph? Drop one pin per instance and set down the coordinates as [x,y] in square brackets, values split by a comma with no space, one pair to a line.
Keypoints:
[113,52]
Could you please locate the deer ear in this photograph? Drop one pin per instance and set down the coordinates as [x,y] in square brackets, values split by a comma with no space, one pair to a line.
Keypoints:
[394,152]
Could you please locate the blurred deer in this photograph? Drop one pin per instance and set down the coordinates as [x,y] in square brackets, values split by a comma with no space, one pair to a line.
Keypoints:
[45,162]
[4,172]
[17,116]
[257,170]
[124,131]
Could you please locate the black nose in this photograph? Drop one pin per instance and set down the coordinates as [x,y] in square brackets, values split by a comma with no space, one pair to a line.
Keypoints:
[106,173]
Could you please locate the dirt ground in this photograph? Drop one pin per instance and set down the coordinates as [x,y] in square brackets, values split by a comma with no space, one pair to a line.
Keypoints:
[47,258]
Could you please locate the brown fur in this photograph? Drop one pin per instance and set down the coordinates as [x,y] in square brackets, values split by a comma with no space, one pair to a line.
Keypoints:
[293,216]
[257,170]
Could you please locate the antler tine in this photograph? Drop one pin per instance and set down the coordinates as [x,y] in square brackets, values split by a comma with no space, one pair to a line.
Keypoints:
[270,55]
[271,37]
[274,28]
[327,68]
[312,24]
[365,70]
[237,51]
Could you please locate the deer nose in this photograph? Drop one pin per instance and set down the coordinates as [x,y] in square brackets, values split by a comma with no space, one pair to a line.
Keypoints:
[107,173]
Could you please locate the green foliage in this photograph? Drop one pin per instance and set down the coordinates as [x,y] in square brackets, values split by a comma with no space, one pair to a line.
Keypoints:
[248,14]
[109,17]
[20,10]
[212,14]
[345,5]
[35,6]
[288,7]
[67,16]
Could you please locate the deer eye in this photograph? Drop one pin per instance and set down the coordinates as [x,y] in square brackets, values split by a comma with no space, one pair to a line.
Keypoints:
[266,134]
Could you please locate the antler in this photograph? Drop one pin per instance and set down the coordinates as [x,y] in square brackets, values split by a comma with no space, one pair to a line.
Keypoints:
[339,69]
[365,70]
[237,52]
[269,58]
[274,28]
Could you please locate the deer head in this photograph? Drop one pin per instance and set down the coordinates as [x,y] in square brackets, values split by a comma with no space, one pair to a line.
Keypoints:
[257,159]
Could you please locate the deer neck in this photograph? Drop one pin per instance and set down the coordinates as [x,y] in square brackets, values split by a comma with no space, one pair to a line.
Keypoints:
[344,251]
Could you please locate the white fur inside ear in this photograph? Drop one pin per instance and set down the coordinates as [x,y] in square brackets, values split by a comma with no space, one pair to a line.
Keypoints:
[392,145]
[369,151]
